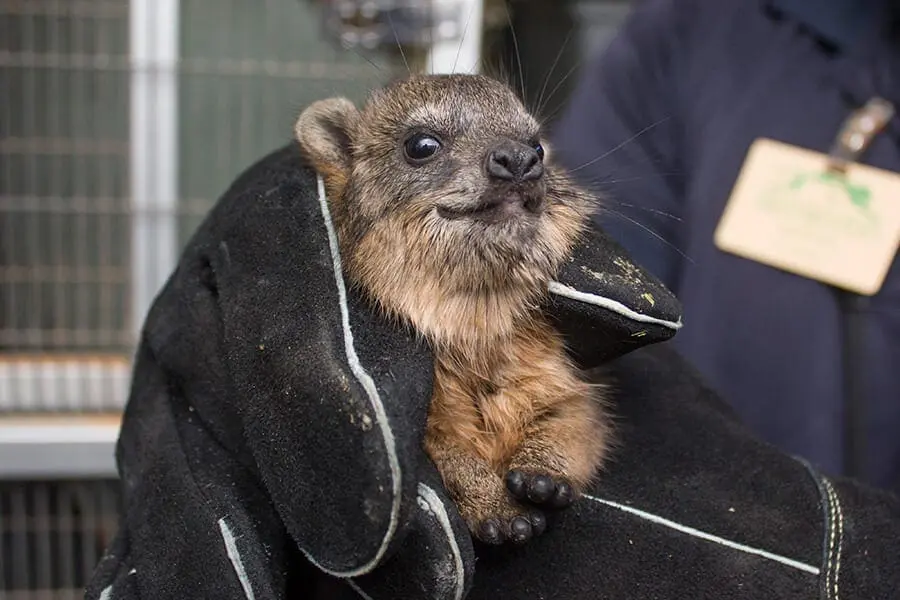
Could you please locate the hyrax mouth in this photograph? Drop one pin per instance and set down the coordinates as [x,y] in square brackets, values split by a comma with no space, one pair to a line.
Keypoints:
[500,205]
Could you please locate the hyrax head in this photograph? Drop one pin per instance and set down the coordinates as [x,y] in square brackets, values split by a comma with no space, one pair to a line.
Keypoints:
[446,175]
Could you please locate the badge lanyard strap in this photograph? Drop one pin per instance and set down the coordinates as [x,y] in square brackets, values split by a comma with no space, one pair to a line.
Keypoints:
[854,138]
[857,133]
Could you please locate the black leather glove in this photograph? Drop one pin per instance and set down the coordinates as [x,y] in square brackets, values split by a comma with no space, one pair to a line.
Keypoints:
[271,447]
[272,411]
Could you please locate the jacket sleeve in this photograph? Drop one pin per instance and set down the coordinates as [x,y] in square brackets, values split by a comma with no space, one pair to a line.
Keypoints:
[620,135]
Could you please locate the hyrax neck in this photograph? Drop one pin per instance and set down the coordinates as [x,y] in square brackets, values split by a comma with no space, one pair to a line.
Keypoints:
[465,323]
[455,309]
[452,319]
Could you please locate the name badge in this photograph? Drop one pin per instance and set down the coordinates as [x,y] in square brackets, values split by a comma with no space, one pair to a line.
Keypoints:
[790,210]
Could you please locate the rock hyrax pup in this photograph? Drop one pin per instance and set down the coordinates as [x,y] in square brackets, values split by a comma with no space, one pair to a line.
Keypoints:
[450,216]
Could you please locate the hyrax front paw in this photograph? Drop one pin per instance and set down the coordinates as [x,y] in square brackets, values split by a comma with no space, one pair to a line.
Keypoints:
[508,522]
[542,489]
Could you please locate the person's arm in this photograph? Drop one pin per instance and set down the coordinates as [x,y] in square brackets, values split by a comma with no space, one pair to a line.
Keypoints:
[620,135]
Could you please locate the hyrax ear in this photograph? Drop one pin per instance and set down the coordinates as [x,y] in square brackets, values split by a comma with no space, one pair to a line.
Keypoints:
[325,131]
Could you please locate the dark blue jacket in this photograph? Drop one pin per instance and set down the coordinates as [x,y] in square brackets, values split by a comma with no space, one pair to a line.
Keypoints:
[661,122]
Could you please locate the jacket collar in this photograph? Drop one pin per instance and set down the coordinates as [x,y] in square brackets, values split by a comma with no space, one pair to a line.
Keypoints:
[846,24]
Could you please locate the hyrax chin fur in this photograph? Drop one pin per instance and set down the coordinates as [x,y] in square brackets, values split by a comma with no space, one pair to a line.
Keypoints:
[450,217]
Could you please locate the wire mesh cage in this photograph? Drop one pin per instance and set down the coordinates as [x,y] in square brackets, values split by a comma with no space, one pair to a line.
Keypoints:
[52,535]
[121,123]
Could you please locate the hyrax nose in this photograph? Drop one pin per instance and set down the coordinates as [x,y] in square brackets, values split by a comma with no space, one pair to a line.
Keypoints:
[514,161]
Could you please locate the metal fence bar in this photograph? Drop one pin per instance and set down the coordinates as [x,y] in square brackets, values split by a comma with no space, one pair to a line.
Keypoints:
[460,51]
[52,535]
[153,145]
[58,447]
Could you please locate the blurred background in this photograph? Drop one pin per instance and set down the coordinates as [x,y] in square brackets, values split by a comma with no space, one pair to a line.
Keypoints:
[121,123]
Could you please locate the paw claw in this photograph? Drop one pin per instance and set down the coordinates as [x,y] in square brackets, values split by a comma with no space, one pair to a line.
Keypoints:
[520,530]
[540,489]
[489,532]
[515,483]
[564,495]
[538,523]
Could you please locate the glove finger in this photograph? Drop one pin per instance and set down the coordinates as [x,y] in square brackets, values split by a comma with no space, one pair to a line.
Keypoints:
[297,377]
[606,306]
[333,397]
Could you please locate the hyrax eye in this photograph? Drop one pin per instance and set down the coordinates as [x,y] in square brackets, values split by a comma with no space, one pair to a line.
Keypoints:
[539,149]
[420,147]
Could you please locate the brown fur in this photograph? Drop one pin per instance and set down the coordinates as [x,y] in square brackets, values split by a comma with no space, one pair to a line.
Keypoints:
[506,396]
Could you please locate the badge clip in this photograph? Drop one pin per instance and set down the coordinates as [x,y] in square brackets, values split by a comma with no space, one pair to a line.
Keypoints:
[857,133]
